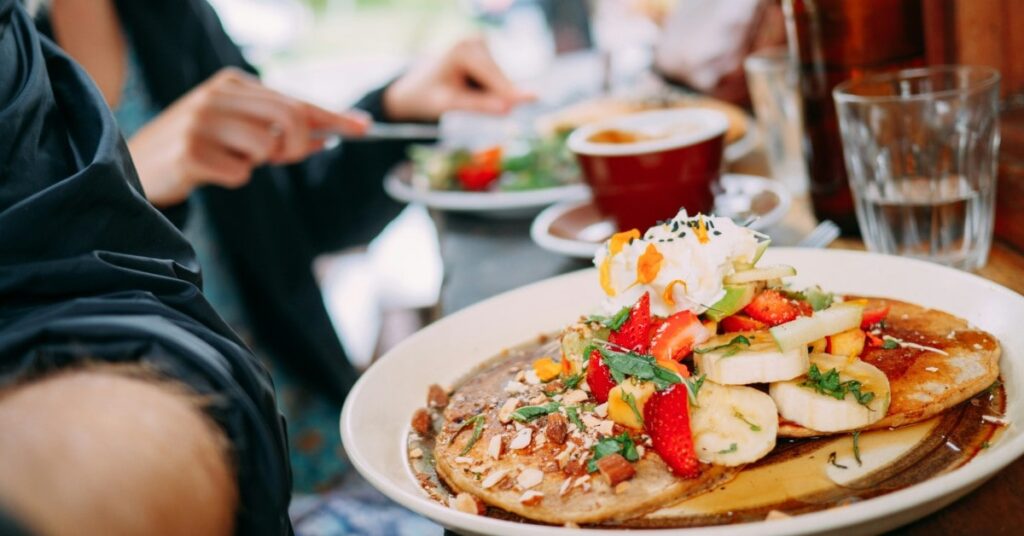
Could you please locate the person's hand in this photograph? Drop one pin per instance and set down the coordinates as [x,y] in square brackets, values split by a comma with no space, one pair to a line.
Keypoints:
[464,78]
[218,132]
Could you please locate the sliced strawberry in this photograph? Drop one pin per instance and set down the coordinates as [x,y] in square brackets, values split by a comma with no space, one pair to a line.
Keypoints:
[873,341]
[635,333]
[874,316]
[599,378]
[734,323]
[675,338]
[667,421]
[772,308]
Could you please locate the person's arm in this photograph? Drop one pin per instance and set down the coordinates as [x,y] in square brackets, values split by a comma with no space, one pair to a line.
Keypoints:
[98,451]
[339,193]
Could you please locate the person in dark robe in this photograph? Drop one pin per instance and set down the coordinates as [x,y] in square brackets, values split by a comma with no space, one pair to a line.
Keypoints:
[127,405]
[232,163]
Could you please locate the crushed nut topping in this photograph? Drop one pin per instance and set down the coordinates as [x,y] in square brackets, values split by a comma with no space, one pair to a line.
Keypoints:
[437,397]
[531,498]
[521,440]
[505,413]
[495,447]
[616,469]
[468,503]
[557,428]
[529,478]
[494,478]
[575,396]
[421,422]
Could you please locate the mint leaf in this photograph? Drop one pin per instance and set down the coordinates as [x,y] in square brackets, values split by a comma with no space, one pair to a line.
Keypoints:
[856,447]
[631,402]
[614,321]
[641,367]
[829,384]
[528,413]
[693,386]
[620,444]
[478,428]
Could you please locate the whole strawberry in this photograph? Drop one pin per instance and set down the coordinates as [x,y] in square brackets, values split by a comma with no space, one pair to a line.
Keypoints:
[667,421]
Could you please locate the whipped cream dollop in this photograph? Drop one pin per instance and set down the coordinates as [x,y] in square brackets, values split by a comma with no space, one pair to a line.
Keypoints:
[680,262]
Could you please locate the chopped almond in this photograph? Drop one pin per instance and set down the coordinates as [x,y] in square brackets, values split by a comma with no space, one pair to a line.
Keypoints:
[494,477]
[521,440]
[505,413]
[574,467]
[531,498]
[437,397]
[468,503]
[495,446]
[565,486]
[574,397]
[421,422]
[416,453]
[529,477]
[557,428]
[616,469]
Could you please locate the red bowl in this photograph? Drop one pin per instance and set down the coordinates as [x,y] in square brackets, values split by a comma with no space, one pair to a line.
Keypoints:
[639,183]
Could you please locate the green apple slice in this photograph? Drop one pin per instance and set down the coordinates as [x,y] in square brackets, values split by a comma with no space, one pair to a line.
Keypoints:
[761,247]
[760,274]
[736,298]
[807,329]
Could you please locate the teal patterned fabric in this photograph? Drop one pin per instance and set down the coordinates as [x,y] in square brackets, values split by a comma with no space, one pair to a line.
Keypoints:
[344,503]
[318,461]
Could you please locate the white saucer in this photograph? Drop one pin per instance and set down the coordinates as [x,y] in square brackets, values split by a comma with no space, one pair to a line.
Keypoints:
[577,229]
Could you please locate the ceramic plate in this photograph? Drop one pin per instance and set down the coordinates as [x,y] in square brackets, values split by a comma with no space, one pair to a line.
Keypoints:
[376,415]
[576,228]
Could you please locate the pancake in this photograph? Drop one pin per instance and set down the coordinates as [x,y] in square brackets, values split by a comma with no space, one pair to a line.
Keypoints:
[589,497]
[925,383]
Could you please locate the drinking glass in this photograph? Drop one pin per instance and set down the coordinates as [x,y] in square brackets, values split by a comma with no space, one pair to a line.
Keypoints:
[921,149]
[771,79]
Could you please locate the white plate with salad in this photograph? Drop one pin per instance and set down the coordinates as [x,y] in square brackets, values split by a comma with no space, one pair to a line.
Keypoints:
[486,164]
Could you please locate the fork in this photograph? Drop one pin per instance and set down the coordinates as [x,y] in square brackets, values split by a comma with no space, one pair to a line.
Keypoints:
[822,235]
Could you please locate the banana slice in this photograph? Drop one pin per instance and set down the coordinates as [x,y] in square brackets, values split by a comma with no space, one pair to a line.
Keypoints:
[739,364]
[823,411]
[733,425]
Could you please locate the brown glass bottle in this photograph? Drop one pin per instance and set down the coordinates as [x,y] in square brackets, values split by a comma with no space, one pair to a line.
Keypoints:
[832,41]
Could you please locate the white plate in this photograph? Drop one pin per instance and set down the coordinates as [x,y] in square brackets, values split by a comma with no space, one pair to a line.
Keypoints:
[376,415]
[398,185]
[576,229]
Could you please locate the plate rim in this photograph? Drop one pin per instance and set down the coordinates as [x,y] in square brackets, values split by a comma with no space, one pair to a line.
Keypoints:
[541,225]
[929,495]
